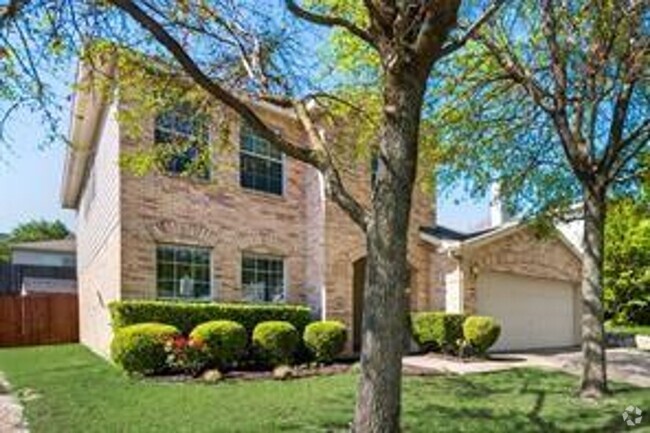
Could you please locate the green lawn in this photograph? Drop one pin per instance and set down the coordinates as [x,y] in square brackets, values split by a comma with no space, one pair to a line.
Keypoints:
[78,392]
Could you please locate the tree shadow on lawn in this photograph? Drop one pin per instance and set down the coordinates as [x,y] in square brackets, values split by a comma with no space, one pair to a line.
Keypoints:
[523,400]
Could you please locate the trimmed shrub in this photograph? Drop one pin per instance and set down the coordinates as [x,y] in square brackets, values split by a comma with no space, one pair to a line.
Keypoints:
[225,341]
[325,339]
[188,315]
[141,348]
[481,332]
[435,331]
[275,342]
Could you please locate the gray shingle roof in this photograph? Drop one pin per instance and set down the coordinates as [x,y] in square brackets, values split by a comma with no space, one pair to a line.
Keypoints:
[445,233]
[68,245]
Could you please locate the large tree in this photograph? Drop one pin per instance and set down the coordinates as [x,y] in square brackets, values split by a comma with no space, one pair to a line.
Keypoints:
[553,102]
[235,52]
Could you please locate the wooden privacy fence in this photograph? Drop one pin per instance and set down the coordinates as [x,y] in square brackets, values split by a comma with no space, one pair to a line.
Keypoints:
[38,318]
[12,276]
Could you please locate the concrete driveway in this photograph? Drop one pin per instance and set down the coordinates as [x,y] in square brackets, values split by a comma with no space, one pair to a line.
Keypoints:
[624,365]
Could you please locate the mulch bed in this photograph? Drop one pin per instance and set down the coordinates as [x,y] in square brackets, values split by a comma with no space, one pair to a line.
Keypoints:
[298,372]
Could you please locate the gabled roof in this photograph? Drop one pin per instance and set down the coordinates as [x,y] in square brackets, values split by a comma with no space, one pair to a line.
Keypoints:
[446,234]
[68,245]
[454,240]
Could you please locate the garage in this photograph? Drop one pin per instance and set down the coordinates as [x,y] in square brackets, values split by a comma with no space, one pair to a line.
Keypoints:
[533,312]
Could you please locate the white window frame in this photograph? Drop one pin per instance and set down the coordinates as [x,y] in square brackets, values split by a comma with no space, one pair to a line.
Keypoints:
[252,255]
[245,129]
[210,251]
[182,136]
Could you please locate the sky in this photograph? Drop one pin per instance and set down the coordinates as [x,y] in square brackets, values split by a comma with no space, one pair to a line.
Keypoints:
[30,177]
[30,182]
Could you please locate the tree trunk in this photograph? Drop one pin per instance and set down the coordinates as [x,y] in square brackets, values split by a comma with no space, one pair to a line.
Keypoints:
[594,375]
[387,270]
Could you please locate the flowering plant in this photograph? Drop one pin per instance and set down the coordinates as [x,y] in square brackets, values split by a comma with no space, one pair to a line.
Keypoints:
[189,355]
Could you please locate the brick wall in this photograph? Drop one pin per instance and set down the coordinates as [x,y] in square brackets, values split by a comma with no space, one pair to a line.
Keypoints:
[218,214]
[521,253]
[317,240]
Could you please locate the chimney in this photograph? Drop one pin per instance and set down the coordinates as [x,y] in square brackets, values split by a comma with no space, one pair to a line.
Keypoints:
[498,212]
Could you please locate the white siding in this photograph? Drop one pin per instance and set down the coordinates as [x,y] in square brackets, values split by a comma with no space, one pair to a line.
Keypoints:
[42,258]
[98,238]
[454,293]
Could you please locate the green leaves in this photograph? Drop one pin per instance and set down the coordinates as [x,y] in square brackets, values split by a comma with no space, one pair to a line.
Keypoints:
[627,262]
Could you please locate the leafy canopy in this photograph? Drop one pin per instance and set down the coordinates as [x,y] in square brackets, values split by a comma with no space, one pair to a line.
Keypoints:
[496,109]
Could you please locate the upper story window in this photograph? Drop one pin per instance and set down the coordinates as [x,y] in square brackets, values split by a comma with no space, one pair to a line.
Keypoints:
[261,164]
[262,278]
[183,272]
[182,136]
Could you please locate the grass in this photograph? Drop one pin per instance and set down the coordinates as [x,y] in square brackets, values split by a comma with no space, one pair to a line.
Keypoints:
[72,390]
[629,329]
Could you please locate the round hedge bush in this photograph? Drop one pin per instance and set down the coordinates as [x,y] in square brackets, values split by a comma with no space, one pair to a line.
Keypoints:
[275,342]
[325,339]
[481,332]
[225,340]
[141,348]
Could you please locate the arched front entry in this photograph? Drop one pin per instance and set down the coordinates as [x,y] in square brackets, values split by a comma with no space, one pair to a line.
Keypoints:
[358,281]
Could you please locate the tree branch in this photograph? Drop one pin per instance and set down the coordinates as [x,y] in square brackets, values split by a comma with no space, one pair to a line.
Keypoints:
[640,136]
[330,21]
[438,19]
[378,19]
[317,158]
[332,177]
[518,73]
[558,66]
[11,10]
[471,32]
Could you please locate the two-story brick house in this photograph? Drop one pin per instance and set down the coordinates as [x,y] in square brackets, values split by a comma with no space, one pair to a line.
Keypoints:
[259,227]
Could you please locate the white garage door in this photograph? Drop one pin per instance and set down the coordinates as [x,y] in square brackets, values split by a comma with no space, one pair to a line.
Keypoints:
[534,313]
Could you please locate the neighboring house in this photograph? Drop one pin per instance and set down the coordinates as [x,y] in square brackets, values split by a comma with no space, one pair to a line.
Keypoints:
[260,227]
[42,267]
[59,253]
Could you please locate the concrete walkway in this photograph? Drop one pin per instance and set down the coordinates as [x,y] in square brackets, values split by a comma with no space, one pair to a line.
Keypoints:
[624,365]
[11,412]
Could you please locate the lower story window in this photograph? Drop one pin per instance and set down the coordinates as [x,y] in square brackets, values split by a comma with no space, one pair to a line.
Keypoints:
[183,272]
[262,278]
